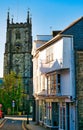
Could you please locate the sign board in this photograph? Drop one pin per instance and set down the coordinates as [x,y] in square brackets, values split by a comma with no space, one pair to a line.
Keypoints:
[13,103]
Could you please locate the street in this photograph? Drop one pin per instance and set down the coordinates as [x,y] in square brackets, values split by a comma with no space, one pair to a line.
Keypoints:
[13,123]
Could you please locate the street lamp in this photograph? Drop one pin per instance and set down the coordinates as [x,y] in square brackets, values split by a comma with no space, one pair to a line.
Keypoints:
[27,109]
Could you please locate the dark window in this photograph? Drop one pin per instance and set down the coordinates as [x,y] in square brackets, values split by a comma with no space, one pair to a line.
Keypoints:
[58,83]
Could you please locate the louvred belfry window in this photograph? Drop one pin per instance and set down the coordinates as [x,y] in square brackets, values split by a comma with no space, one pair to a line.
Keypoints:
[17,35]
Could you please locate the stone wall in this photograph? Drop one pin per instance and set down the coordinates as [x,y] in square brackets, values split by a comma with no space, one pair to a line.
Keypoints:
[79,88]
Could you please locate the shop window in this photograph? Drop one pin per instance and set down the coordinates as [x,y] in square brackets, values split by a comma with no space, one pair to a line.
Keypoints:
[49,113]
[42,110]
[62,116]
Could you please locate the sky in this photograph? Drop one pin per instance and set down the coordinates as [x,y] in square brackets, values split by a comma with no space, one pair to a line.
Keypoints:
[47,15]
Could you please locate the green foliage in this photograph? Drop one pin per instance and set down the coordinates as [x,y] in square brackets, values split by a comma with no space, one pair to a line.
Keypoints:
[11,90]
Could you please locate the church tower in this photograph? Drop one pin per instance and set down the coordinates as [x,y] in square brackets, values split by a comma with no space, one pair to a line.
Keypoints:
[17,56]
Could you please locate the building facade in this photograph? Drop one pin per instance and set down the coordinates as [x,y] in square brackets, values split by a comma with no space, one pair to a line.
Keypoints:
[76,29]
[17,56]
[57,79]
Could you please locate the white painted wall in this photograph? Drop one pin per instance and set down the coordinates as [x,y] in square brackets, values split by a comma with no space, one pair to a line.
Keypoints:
[58,53]
[62,52]
[67,81]
[65,84]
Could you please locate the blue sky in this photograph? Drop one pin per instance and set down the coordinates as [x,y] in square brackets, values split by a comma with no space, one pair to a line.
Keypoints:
[47,15]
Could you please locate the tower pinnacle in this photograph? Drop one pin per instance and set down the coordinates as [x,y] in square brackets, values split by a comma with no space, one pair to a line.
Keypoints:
[8,19]
[28,17]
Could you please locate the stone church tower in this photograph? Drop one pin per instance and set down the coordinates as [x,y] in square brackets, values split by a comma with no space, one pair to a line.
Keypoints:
[17,56]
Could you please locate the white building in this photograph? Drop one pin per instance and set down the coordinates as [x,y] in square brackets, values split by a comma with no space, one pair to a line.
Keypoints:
[53,83]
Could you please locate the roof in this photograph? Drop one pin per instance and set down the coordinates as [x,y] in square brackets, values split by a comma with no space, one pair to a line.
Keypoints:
[57,70]
[56,38]
[60,35]
[72,24]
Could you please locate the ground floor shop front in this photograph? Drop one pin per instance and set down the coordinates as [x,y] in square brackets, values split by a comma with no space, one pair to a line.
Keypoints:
[56,114]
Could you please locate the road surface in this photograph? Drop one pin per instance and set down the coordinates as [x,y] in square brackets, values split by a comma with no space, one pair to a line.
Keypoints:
[13,124]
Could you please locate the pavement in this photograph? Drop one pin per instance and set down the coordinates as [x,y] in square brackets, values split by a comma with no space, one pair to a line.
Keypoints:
[2,120]
[34,126]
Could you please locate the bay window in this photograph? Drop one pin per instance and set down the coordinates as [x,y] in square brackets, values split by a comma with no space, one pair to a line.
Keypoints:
[53,84]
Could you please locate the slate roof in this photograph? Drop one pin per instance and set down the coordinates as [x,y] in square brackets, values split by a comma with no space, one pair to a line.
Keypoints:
[72,24]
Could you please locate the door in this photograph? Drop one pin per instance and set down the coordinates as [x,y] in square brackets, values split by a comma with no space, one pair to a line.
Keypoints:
[55,114]
[72,116]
